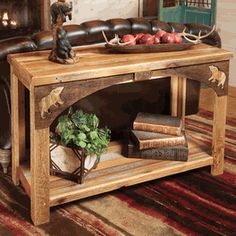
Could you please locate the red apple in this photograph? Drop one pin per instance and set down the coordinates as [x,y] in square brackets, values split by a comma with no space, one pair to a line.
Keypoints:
[147,39]
[177,37]
[129,38]
[168,38]
[157,40]
[138,37]
[160,34]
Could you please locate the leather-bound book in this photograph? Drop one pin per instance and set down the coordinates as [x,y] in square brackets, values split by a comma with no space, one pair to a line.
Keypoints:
[157,123]
[145,139]
[173,153]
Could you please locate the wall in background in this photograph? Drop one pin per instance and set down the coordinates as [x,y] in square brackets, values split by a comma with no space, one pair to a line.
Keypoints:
[85,10]
[226,18]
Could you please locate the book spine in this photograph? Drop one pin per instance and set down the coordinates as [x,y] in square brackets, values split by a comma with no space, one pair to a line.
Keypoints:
[173,154]
[161,142]
[157,128]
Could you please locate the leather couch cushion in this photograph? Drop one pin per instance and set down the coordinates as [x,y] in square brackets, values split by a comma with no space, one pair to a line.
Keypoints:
[5,124]
[43,40]
[160,25]
[140,25]
[177,27]
[118,26]
[5,72]
[15,45]
[76,34]
[94,29]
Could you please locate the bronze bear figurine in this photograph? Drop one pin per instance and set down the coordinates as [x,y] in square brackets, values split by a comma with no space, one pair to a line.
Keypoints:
[60,9]
[63,48]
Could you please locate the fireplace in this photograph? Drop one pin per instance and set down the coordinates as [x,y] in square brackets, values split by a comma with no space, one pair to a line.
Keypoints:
[19,17]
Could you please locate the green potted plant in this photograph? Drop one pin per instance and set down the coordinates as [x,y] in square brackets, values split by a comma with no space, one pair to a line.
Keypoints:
[80,131]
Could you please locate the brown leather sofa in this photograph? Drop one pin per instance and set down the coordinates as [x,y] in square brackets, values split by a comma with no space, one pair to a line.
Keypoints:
[117,105]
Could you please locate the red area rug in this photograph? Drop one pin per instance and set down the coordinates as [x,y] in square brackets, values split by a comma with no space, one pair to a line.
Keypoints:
[192,203]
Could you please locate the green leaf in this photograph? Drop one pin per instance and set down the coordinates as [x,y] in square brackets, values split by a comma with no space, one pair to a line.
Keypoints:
[82,144]
[95,121]
[93,134]
[81,129]
[85,128]
[82,136]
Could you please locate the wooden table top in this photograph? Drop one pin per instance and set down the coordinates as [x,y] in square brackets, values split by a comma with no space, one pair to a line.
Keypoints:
[35,69]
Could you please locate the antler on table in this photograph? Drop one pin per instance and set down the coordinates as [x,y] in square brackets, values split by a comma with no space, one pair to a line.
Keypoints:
[113,41]
[197,38]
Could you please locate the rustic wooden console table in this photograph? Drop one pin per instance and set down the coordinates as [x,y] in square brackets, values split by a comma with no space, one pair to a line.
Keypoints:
[52,84]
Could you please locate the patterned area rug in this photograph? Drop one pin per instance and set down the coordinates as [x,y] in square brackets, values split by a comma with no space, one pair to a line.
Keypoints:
[192,203]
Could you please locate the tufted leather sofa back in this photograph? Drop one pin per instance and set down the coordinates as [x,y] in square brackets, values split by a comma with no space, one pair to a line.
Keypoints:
[90,32]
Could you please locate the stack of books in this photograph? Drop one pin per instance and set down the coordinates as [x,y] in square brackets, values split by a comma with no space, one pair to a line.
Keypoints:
[156,136]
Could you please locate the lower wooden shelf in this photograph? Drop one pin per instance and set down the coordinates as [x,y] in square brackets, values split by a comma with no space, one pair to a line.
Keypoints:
[116,171]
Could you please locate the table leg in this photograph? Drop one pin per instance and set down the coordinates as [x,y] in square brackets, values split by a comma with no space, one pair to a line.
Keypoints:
[15,128]
[15,93]
[178,97]
[174,95]
[17,125]
[39,167]
[218,139]
[182,99]
[21,105]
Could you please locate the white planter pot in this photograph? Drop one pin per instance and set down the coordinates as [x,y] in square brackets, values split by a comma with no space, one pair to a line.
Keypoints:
[71,162]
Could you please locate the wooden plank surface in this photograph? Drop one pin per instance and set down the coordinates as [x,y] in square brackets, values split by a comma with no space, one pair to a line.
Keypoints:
[98,62]
[127,177]
[39,168]
[174,95]
[24,176]
[182,99]
[218,140]
[15,127]
[116,171]
[40,212]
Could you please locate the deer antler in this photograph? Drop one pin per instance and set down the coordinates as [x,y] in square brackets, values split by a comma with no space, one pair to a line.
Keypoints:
[197,39]
[113,41]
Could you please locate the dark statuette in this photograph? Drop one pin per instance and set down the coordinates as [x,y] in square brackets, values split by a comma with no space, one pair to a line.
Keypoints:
[63,47]
[62,51]
[60,9]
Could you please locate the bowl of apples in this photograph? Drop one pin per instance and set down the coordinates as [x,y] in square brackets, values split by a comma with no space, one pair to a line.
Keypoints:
[142,43]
